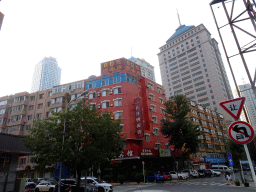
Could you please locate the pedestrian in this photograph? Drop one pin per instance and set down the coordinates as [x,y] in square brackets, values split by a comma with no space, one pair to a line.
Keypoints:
[229,179]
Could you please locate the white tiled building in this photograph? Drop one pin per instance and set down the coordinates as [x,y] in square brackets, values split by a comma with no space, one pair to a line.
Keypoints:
[250,103]
[47,74]
[191,64]
[147,70]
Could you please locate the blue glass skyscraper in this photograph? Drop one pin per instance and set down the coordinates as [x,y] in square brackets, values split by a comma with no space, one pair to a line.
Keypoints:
[47,74]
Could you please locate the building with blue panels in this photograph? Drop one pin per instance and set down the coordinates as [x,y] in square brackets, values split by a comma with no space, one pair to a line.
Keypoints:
[46,75]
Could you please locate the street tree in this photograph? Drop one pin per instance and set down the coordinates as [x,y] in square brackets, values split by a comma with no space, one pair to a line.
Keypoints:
[90,137]
[178,128]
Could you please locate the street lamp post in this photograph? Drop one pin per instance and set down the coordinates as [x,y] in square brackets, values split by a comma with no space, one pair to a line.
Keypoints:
[64,128]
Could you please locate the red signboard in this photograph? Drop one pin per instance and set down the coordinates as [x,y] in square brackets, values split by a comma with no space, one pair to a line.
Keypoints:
[138,118]
[139,153]
[120,65]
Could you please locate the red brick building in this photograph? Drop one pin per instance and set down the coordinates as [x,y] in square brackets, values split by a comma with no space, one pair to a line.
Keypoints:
[138,101]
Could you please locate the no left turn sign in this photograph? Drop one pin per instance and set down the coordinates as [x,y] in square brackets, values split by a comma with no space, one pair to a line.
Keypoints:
[241,132]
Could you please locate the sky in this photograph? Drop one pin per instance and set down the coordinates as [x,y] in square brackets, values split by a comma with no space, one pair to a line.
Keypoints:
[82,34]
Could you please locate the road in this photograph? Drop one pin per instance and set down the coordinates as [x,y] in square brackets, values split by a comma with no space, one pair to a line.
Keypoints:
[213,184]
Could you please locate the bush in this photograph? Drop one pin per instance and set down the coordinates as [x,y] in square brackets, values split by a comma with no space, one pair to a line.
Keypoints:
[121,178]
[237,182]
[107,178]
[139,177]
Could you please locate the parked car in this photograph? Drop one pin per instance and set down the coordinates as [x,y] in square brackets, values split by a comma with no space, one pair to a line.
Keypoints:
[215,173]
[39,180]
[30,184]
[156,177]
[167,176]
[201,173]
[207,172]
[52,180]
[220,168]
[72,184]
[101,186]
[176,175]
[45,186]
[194,173]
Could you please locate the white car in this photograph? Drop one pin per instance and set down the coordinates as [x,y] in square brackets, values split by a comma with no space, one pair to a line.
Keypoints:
[45,186]
[176,175]
[102,186]
[215,173]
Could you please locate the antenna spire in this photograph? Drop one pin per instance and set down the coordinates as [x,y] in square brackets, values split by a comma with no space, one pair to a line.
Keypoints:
[178,16]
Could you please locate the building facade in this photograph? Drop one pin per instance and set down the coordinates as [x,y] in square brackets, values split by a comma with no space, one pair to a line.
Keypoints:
[250,103]
[47,74]
[122,91]
[147,70]
[191,64]
[213,129]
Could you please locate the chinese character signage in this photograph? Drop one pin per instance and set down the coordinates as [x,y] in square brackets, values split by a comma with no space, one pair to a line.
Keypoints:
[138,118]
[139,153]
[120,65]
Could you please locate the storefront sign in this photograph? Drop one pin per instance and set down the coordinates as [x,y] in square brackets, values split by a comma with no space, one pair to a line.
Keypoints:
[165,153]
[138,118]
[139,153]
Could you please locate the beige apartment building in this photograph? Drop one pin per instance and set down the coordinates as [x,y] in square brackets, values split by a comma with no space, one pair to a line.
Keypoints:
[213,130]
[191,64]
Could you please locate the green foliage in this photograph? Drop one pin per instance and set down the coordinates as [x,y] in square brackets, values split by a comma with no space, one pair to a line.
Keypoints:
[237,182]
[181,132]
[237,151]
[139,177]
[90,138]
[121,178]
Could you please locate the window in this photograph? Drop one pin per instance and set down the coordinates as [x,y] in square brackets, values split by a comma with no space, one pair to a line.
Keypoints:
[152,107]
[150,86]
[90,85]
[118,115]
[159,89]
[114,80]
[32,98]
[118,102]
[105,104]
[39,115]
[154,119]
[41,96]
[151,97]
[49,94]
[28,127]
[2,111]
[161,100]
[29,117]
[147,137]
[48,104]
[92,95]
[156,131]
[162,110]
[157,146]
[103,83]
[40,106]
[105,93]
[117,90]
[48,113]
[3,102]
[22,161]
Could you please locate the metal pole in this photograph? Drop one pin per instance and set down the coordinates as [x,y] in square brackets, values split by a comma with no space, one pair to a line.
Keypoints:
[250,163]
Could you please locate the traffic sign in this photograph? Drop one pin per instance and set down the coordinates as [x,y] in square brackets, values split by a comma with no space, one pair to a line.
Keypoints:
[230,162]
[241,132]
[229,155]
[234,106]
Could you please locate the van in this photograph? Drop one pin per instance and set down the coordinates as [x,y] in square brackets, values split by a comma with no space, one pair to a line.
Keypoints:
[221,168]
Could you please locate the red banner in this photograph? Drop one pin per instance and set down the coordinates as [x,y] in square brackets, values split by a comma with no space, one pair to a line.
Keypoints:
[138,118]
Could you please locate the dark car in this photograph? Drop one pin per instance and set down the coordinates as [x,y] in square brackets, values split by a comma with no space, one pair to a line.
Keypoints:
[207,172]
[72,184]
[156,177]
[201,173]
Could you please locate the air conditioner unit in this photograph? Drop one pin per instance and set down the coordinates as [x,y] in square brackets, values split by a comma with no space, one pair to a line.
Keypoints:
[151,108]
[147,86]
[98,94]
[111,105]
[86,97]
[71,90]
[10,105]
[98,106]
[111,92]
[152,120]
[112,117]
